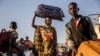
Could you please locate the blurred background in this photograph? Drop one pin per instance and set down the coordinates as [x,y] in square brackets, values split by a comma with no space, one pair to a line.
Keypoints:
[22,11]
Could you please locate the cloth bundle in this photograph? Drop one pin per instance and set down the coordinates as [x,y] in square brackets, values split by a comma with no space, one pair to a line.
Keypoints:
[49,11]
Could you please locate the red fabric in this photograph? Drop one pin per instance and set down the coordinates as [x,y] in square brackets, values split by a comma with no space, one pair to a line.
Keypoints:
[75,23]
[28,44]
[4,36]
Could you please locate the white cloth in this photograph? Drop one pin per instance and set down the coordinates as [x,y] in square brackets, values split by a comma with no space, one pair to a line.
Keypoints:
[97,31]
[28,53]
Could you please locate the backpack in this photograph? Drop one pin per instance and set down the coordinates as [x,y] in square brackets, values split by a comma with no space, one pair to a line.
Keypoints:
[4,39]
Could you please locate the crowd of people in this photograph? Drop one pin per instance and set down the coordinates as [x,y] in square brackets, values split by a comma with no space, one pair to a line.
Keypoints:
[14,47]
[78,29]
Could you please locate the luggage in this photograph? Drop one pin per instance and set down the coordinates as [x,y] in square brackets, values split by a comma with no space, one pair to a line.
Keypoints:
[49,11]
[89,48]
[4,39]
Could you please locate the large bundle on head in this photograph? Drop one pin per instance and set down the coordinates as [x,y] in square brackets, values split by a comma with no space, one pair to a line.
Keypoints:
[49,11]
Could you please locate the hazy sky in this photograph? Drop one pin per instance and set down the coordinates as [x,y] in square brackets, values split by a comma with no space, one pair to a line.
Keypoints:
[22,11]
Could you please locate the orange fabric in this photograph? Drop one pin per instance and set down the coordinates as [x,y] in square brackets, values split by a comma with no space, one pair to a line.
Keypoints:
[89,48]
[49,36]
[46,35]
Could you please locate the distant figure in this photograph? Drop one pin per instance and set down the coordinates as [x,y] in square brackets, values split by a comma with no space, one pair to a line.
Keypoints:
[21,47]
[78,29]
[13,37]
[28,43]
[48,37]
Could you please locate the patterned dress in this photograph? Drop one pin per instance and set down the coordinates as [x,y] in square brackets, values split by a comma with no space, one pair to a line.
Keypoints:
[38,43]
[48,40]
